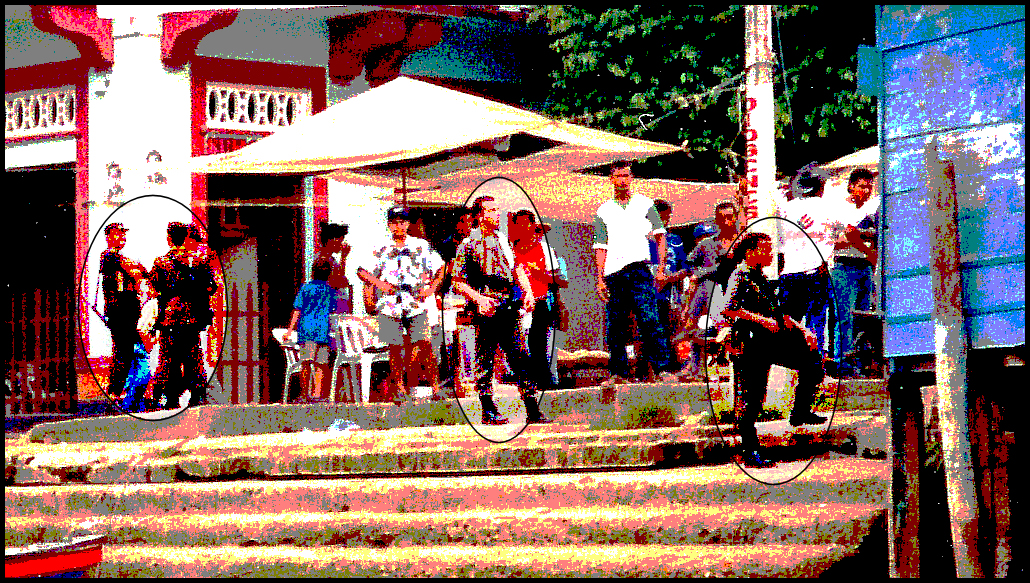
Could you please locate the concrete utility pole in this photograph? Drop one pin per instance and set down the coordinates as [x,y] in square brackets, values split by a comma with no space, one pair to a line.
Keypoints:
[951,346]
[759,129]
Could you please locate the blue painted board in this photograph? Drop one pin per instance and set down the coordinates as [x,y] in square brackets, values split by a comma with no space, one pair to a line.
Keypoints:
[956,74]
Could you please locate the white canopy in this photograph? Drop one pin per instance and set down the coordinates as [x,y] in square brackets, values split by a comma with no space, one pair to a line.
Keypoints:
[407,119]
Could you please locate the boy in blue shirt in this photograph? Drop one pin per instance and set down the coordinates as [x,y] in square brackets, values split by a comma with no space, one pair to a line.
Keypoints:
[311,311]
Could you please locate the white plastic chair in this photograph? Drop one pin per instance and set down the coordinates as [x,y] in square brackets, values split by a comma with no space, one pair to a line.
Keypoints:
[293,364]
[356,346]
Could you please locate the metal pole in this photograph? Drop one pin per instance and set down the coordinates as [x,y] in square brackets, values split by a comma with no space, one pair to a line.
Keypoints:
[951,346]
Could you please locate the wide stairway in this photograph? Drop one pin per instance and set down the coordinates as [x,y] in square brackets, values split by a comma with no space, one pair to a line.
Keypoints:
[556,500]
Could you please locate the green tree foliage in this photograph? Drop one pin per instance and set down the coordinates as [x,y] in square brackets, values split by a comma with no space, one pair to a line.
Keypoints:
[670,75]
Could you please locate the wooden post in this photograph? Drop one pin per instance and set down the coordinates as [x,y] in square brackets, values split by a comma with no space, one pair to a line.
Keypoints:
[951,346]
[905,438]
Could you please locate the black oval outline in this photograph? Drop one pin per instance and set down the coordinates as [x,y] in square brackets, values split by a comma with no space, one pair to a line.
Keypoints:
[78,319]
[553,346]
[711,404]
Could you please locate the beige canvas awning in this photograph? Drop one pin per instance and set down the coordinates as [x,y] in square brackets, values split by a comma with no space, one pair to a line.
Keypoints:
[407,119]
[401,120]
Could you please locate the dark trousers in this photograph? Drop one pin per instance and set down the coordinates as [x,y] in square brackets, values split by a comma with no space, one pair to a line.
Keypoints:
[786,348]
[491,332]
[666,316]
[631,289]
[123,342]
[806,295]
[544,315]
[179,367]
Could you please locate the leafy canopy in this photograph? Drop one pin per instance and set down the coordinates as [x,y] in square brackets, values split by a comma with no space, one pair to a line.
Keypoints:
[671,75]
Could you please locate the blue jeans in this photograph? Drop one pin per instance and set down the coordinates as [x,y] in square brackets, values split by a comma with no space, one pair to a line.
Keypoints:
[852,288]
[632,289]
[804,295]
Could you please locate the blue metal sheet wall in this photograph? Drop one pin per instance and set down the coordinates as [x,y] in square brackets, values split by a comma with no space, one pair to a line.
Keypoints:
[958,74]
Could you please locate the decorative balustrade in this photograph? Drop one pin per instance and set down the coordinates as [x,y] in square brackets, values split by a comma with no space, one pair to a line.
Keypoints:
[40,112]
[254,108]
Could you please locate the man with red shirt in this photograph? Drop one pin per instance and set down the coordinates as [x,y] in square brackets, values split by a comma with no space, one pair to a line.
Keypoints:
[534,274]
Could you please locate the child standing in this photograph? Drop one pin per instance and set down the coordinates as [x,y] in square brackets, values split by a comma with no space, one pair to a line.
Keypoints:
[310,321]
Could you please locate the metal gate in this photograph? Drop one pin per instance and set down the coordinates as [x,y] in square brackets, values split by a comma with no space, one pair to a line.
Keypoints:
[40,374]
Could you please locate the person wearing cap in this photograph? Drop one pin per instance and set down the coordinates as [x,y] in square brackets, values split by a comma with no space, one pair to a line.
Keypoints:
[704,262]
[484,272]
[402,271]
[625,282]
[535,269]
[179,367]
[805,276]
[121,277]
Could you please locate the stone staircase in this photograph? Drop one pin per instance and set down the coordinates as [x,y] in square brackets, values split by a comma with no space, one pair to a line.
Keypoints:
[558,500]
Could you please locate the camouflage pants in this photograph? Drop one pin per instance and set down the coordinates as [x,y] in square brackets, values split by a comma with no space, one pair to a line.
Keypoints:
[179,368]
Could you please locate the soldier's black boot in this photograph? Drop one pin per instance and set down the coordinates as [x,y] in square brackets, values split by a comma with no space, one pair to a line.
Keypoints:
[491,416]
[533,414]
[753,459]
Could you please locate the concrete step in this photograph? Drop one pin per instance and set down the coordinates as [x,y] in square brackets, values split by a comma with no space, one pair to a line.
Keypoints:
[608,560]
[227,420]
[847,480]
[404,450]
[824,523]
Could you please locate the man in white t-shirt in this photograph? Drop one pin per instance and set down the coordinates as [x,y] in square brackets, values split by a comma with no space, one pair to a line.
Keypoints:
[854,260]
[805,279]
[625,282]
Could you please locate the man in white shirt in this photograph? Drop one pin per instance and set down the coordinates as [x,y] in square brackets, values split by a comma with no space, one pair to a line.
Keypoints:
[805,279]
[403,271]
[624,282]
[854,261]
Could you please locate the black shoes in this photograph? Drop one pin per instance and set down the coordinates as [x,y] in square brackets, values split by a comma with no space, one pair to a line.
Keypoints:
[807,418]
[491,416]
[533,414]
[753,460]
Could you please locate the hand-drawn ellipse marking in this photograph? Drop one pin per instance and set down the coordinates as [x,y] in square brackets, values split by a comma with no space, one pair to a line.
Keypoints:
[511,198]
[143,239]
[789,467]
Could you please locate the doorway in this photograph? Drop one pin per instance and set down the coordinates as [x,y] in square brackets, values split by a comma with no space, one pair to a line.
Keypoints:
[255,224]
[38,298]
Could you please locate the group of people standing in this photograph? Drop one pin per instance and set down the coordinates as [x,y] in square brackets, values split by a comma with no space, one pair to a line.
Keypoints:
[168,305]
[510,284]
[766,317]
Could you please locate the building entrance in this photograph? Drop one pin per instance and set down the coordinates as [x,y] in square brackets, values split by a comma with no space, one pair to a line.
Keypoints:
[38,298]
[255,223]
